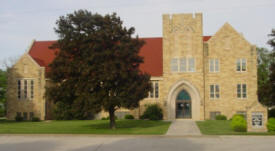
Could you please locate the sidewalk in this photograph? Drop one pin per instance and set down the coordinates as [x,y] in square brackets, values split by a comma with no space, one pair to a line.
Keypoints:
[183,128]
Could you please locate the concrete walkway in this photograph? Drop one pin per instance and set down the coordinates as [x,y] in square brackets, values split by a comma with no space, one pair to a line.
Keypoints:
[183,128]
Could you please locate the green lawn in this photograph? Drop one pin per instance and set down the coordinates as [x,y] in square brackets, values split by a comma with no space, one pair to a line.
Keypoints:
[144,127]
[220,127]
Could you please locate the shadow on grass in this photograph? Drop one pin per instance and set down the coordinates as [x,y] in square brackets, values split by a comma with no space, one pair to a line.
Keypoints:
[127,124]
[84,127]
[15,122]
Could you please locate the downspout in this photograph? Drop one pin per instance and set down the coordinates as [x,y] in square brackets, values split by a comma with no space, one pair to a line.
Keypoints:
[205,53]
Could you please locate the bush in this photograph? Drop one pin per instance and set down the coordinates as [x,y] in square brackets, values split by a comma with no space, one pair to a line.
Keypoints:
[129,116]
[2,112]
[238,123]
[104,118]
[35,119]
[18,118]
[62,111]
[142,117]
[221,117]
[152,112]
[271,124]
[271,113]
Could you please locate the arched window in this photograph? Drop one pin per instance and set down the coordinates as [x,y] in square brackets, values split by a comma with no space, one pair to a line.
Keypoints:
[183,95]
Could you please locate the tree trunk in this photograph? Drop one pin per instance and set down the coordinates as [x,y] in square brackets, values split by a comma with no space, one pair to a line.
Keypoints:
[112,118]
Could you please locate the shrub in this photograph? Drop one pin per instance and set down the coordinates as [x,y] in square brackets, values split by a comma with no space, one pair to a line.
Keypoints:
[142,117]
[271,124]
[62,111]
[271,113]
[238,123]
[221,117]
[104,118]
[35,119]
[2,112]
[152,112]
[18,118]
[129,116]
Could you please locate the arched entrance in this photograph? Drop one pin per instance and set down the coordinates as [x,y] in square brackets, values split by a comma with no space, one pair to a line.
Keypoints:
[183,105]
[179,89]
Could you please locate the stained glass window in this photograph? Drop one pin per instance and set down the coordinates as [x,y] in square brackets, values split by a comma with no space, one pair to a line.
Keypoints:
[183,95]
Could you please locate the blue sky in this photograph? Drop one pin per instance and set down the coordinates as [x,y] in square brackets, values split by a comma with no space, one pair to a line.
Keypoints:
[21,21]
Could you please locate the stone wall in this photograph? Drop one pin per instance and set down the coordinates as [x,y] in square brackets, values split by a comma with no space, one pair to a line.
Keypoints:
[228,45]
[26,68]
[182,37]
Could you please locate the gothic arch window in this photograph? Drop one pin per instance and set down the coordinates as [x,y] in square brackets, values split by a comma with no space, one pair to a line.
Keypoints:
[183,95]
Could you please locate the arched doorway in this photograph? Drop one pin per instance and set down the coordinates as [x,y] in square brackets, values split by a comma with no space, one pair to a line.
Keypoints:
[192,91]
[183,105]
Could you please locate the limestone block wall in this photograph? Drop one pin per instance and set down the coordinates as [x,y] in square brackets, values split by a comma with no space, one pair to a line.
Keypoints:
[26,68]
[227,45]
[182,37]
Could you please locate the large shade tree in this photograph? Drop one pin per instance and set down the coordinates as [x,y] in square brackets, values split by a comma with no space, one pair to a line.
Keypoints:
[264,62]
[266,73]
[271,42]
[3,87]
[97,66]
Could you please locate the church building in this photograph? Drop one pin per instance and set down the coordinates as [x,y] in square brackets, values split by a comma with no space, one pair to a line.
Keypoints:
[193,76]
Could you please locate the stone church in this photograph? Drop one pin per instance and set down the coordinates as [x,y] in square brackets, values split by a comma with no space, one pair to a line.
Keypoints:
[193,76]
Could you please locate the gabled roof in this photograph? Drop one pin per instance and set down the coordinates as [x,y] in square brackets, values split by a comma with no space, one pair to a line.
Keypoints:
[151,51]
[206,38]
[42,54]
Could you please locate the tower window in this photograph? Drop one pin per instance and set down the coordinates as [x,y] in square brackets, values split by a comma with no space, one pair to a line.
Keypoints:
[183,65]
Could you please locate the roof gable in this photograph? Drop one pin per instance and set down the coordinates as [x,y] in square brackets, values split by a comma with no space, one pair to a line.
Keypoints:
[226,31]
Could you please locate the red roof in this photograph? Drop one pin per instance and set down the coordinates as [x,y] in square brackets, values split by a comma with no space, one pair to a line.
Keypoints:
[151,51]
[41,53]
[206,38]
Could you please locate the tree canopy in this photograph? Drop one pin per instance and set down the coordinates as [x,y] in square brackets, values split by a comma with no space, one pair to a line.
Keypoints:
[97,66]
[3,89]
[264,62]
[271,42]
[3,85]
[266,73]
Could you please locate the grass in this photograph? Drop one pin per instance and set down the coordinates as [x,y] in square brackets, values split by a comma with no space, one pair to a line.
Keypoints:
[136,127]
[222,127]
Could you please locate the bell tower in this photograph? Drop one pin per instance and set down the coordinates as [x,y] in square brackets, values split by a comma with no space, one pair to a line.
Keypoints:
[182,37]
[183,62]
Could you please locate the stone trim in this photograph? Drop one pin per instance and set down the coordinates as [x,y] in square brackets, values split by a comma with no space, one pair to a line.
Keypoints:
[195,99]
[156,78]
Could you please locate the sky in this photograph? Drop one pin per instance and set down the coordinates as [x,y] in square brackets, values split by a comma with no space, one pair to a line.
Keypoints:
[22,21]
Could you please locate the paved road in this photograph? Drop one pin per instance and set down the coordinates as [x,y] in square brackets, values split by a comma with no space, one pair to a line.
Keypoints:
[135,143]
[183,128]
